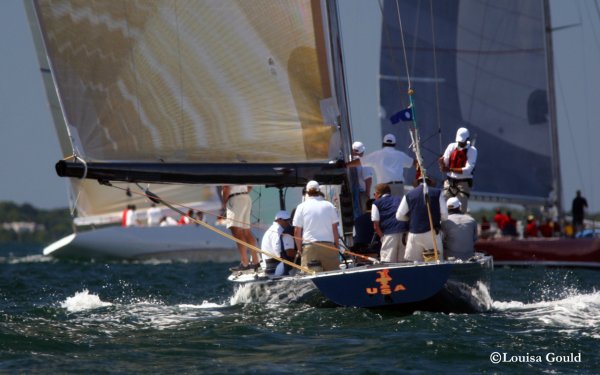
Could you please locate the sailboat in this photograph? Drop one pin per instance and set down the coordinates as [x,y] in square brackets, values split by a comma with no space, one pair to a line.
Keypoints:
[492,73]
[220,92]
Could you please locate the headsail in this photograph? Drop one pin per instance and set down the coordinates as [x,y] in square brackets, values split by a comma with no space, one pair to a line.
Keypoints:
[193,82]
[491,77]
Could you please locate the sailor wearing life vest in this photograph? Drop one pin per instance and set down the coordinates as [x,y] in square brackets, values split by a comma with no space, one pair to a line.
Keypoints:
[413,208]
[458,163]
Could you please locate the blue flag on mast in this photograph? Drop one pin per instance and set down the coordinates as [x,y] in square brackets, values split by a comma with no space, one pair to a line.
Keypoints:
[403,115]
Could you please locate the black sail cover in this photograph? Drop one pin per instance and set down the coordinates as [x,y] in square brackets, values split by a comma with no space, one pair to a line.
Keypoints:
[491,78]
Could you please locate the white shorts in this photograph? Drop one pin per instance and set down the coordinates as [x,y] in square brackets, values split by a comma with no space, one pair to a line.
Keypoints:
[417,242]
[238,211]
[392,248]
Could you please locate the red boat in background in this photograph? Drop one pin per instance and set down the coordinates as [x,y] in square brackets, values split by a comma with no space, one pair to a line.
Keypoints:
[564,252]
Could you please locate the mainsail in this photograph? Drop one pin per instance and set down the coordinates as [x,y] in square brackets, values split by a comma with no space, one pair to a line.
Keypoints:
[481,65]
[193,83]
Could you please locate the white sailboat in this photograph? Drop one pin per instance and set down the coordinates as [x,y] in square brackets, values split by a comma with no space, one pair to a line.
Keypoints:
[223,92]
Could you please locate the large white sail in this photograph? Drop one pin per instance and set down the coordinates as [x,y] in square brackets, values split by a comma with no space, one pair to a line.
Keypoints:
[191,81]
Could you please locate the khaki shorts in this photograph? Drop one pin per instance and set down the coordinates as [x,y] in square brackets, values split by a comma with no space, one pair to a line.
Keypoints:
[238,211]
[325,253]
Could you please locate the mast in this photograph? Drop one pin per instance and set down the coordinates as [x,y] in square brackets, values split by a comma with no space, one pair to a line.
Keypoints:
[552,107]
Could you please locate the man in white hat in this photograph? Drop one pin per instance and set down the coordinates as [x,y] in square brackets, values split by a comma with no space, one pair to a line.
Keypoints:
[364,175]
[278,243]
[316,229]
[388,164]
[458,163]
[459,232]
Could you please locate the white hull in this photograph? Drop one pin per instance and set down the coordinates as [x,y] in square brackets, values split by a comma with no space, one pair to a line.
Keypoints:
[186,242]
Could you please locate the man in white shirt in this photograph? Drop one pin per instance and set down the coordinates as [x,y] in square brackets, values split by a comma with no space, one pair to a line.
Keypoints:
[277,243]
[153,215]
[388,164]
[316,229]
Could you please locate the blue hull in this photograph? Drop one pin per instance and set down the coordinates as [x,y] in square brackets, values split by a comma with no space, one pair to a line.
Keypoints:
[383,286]
[447,287]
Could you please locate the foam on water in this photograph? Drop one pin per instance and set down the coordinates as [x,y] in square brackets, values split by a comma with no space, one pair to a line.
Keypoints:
[573,312]
[82,301]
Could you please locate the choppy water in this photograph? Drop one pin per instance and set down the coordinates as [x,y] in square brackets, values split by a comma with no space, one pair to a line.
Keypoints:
[163,317]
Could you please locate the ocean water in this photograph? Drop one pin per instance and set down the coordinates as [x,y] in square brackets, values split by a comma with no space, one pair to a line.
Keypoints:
[172,317]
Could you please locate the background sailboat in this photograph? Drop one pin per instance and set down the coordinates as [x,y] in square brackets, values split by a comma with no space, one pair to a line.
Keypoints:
[488,67]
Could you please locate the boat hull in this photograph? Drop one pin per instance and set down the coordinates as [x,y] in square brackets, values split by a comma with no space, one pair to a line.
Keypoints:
[444,286]
[185,242]
[565,252]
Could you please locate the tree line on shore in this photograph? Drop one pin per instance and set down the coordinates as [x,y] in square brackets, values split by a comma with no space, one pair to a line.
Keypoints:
[51,224]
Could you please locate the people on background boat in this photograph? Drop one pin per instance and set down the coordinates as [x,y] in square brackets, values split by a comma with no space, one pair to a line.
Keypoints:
[236,208]
[186,219]
[278,243]
[459,232]
[546,229]
[458,162]
[501,220]
[388,228]
[578,208]
[124,216]
[167,221]
[153,215]
[131,218]
[485,228]
[365,240]
[316,230]
[413,209]
[510,227]
[364,175]
[569,230]
[531,228]
[199,216]
[388,164]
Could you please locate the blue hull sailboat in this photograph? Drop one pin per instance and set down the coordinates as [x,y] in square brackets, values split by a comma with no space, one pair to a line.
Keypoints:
[220,92]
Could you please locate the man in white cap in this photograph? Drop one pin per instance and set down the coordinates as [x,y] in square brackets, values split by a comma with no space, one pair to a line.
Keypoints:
[316,229]
[459,232]
[278,243]
[364,175]
[388,164]
[458,163]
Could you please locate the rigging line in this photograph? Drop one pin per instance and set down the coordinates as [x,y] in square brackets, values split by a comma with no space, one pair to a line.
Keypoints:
[415,37]
[586,101]
[390,49]
[435,75]
[170,204]
[403,45]
[156,198]
[478,68]
[569,128]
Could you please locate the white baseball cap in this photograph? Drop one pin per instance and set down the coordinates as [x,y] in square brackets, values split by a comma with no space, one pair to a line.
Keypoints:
[453,203]
[284,215]
[358,147]
[462,134]
[389,139]
[312,185]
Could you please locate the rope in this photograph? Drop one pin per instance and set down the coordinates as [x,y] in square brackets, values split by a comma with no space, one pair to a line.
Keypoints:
[157,199]
[435,76]
[414,134]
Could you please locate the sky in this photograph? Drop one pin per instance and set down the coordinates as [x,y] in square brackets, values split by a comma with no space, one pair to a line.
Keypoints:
[29,146]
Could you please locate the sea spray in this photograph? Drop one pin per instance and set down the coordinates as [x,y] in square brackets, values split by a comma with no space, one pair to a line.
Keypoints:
[82,301]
